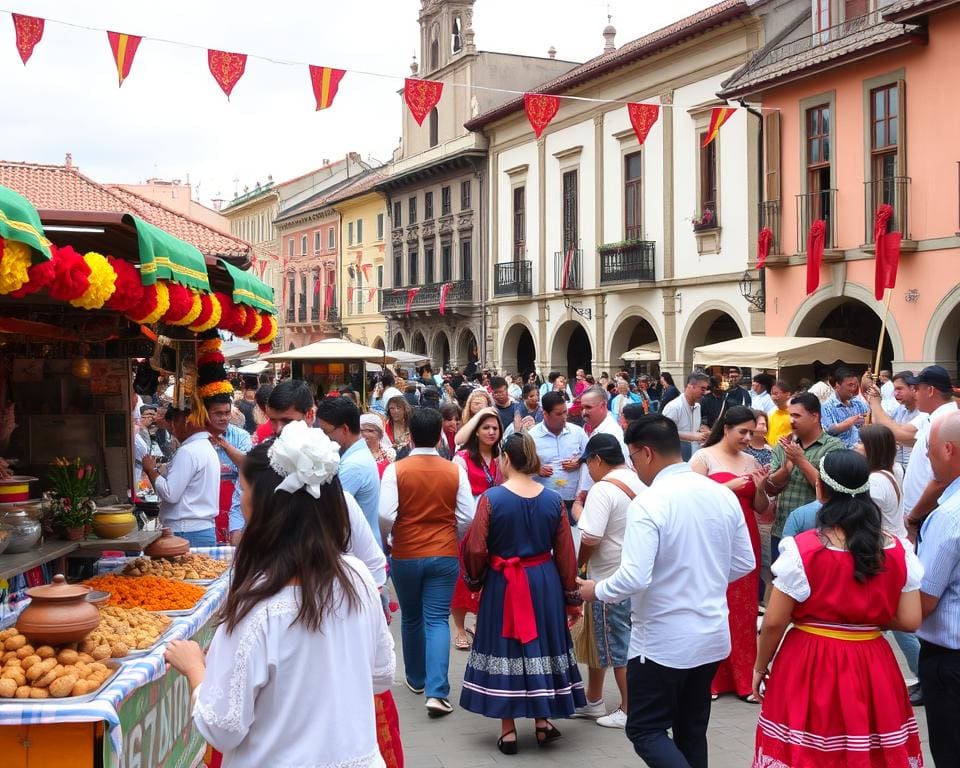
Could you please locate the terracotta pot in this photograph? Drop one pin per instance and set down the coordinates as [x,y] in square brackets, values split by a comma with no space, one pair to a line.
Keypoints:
[58,613]
[167,545]
[75,534]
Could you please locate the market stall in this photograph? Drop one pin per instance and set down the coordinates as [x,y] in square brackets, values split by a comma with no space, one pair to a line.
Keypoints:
[331,363]
[96,309]
[780,352]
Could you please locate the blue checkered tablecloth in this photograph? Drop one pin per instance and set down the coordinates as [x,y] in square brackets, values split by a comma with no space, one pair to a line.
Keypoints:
[134,673]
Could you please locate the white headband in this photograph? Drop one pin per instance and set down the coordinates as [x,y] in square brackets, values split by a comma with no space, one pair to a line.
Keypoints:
[835,486]
[304,458]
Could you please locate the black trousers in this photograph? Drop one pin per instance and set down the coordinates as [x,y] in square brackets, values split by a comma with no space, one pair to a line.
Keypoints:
[661,697]
[940,681]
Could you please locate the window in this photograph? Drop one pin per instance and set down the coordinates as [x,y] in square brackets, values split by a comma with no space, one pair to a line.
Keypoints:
[818,168]
[708,179]
[446,262]
[359,290]
[519,222]
[820,13]
[380,288]
[291,293]
[303,298]
[396,215]
[397,266]
[466,260]
[412,277]
[303,245]
[331,239]
[290,247]
[317,242]
[379,226]
[570,211]
[428,266]
[465,195]
[445,201]
[632,197]
[884,124]
[359,230]
[413,211]
[427,206]
[434,127]
[350,233]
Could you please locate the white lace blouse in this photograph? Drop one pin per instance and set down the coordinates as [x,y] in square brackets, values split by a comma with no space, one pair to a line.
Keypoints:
[275,694]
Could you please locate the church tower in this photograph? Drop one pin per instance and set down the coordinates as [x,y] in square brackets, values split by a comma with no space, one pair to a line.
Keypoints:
[446,32]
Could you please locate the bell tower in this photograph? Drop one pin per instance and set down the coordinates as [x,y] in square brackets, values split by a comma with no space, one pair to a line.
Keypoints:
[446,32]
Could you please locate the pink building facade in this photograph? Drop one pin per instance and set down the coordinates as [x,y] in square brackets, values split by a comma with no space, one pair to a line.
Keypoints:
[859,111]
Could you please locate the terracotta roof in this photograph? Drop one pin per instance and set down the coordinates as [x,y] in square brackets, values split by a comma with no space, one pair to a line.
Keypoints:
[62,188]
[648,45]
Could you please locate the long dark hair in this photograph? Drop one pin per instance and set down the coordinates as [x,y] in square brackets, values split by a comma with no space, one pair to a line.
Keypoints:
[472,446]
[731,417]
[856,515]
[290,538]
[879,445]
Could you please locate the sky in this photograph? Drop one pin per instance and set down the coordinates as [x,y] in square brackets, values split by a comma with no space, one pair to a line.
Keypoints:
[170,120]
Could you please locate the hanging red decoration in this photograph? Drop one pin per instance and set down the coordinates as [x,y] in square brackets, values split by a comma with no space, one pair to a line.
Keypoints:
[444,290]
[265,348]
[764,243]
[229,317]
[887,247]
[325,81]
[124,48]
[411,294]
[718,117]
[421,96]
[29,30]
[541,109]
[250,322]
[181,302]
[71,274]
[642,117]
[815,240]
[226,68]
[129,291]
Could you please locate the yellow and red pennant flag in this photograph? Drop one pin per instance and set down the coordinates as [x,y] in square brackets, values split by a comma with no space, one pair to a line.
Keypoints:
[227,68]
[325,82]
[29,30]
[718,117]
[124,48]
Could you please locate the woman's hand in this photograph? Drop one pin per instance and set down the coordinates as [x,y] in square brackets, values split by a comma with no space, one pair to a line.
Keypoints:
[738,482]
[759,679]
[186,657]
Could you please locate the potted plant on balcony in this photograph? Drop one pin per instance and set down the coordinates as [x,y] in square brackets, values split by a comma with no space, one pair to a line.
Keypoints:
[72,487]
[706,220]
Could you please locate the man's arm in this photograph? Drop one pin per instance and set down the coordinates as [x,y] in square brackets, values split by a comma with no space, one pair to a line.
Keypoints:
[938,573]
[363,544]
[925,504]
[672,412]
[465,505]
[635,573]
[742,561]
[170,488]
[388,500]
[904,434]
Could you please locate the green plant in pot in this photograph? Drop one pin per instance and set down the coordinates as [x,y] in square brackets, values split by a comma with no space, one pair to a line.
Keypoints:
[72,487]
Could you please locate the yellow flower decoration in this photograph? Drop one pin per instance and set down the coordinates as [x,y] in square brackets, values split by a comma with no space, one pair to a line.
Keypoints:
[213,321]
[194,312]
[15,262]
[163,304]
[272,334]
[215,388]
[256,326]
[103,282]
[210,345]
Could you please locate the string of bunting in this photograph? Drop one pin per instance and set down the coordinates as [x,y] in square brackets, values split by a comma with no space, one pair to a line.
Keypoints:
[420,95]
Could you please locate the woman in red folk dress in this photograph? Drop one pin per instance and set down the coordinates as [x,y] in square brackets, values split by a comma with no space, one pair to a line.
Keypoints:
[835,697]
[723,459]
[479,460]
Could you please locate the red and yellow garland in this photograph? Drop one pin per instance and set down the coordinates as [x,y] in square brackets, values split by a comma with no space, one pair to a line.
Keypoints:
[15,261]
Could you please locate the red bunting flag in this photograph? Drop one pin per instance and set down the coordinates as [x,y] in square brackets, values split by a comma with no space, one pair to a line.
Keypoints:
[815,240]
[371,293]
[366,271]
[642,118]
[764,243]
[421,96]
[541,109]
[328,297]
[444,290]
[718,117]
[565,277]
[226,68]
[124,48]
[410,296]
[325,81]
[29,30]
[350,290]
[887,246]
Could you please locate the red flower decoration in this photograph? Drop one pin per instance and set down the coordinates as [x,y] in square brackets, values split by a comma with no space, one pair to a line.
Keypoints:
[129,292]
[229,318]
[181,302]
[71,274]
[264,349]
[40,276]
[249,322]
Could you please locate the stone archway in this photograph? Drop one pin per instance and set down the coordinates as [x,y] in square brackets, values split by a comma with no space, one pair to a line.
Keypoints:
[468,351]
[440,356]
[941,344]
[571,349]
[519,352]
[398,342]
[418,344]
[849,320]
[378,344]
[634,328]
[711,322]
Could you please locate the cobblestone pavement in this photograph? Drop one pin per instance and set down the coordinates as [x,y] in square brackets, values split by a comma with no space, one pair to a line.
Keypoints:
[465,740]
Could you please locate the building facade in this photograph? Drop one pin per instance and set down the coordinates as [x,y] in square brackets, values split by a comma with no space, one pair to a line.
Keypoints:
[436,191]
[857,126]
[599,245]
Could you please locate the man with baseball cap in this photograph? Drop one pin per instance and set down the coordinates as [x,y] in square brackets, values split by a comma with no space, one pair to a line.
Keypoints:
[934,400]
[602,524]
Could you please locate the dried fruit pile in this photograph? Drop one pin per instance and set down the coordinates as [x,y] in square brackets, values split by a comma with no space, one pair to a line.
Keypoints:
[46,672]
[189,566]
[123,630]
[151,593]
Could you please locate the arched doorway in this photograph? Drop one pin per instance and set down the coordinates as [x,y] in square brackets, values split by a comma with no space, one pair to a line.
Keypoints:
[941,344]
[398,343]
[468,351]
[519,351]
[849,320]
[418,344]
[441,352]
[571,349]
[634,331]
[709,327]
[378,344]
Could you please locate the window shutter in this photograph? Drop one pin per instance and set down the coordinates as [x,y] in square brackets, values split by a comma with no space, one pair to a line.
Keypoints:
[771,136]
[902,128]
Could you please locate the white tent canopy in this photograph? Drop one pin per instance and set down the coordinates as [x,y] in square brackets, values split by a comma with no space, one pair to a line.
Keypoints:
[333,349]
[257,366]
[647,353]
[408,358]
[238,349]
[779,352]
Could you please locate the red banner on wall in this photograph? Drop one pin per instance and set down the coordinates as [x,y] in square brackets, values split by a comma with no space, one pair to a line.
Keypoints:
[764,242]
[444,290]
[29,30]
[541,109]
[124,48]
[887,247]
[642,117]
[421,96]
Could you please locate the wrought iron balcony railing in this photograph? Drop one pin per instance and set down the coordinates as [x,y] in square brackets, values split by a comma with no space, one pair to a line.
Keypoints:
[459,295]
[513,278]
[568,270]
[770,219]
[628,262]
[894,191]
[811,207]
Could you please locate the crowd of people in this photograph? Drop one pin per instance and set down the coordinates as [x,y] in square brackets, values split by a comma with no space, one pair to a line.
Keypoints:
[626,524]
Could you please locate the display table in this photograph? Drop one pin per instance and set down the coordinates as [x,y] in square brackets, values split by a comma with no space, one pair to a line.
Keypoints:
[11,565]
[132,542]
[143,714]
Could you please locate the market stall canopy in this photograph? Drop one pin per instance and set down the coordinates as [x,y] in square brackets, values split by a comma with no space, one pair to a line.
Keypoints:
[647,353]
[256,367]
[165,257]
[333,349]
[238,349]
[249,289]
[408,358]
[20,221]
[779,352]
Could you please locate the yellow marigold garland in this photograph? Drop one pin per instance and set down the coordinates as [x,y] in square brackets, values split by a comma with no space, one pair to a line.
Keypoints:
[215,388]
[163,304]
[194,312]
[214,319]
[210,345]
[14,264]
[269,330]
[103,282]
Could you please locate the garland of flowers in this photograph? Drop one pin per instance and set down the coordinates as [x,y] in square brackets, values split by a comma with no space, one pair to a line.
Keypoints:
[101,285]
[14,265]
[156,302]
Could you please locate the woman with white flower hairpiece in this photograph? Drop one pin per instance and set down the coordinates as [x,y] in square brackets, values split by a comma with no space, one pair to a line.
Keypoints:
[835,696]
[298,606]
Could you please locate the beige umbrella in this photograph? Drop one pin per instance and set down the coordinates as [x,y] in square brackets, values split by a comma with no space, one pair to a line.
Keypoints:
[332,349]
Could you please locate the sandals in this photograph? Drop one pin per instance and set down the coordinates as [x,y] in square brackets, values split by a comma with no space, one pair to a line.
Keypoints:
[508,747]
[749,699]
[462,643]
[549,732]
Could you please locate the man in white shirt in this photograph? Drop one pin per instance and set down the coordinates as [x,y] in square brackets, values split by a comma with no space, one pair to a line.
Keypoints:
[888,392]
[602,525]
[389,390]
[684,411]
[686,540]
[900,420]
[559,447]
[597,420]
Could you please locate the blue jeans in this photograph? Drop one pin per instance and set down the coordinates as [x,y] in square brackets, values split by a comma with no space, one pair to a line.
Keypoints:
[424,590]
[205,538]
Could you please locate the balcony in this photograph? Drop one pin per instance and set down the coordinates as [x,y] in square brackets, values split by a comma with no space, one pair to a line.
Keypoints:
[427,299]
[770,219]
[302,314]
[513,278]
[811,207]
[291,314]
[315,313]
[628,262]
[892,190]
[568,270]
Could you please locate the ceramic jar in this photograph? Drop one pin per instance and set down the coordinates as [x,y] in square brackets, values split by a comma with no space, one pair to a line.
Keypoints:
[167,545]
[58,613]
[113,522]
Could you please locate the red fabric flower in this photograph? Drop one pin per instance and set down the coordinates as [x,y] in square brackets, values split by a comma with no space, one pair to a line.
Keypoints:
[264,349]
[230,319]
[71,274]
[249,323]
[129,292]
[181,302]
[41,275]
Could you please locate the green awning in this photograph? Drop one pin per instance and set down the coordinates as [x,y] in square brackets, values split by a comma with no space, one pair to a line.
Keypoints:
[165,257]
[20,221]
[249,289]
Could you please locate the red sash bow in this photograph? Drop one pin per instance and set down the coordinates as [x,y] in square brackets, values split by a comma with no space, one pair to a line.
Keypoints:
[518,619]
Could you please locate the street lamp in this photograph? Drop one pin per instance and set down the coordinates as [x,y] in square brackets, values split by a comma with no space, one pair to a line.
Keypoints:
[757,299]
[586,313]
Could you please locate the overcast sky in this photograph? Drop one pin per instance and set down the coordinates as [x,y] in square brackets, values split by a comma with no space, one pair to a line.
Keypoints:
[171,120]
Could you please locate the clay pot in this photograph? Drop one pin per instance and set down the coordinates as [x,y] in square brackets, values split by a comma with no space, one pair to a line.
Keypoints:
[113,522]
[167,545]
[75,534]
[58,613]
